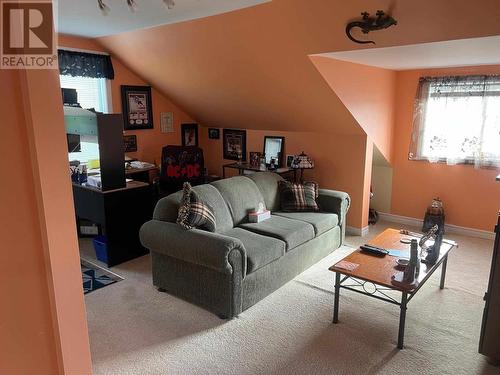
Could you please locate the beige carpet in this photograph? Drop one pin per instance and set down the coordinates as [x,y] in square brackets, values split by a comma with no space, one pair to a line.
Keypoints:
[136,330]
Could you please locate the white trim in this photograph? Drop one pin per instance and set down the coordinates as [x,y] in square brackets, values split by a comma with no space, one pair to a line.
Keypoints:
[109,97]
[353,231]
[82,50]
[450,228]
[400,219]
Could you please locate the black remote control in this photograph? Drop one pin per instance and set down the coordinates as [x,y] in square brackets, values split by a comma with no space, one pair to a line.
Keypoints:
[374,250]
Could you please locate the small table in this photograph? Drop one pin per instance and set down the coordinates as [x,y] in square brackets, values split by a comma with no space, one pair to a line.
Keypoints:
[242,167]
[378,272]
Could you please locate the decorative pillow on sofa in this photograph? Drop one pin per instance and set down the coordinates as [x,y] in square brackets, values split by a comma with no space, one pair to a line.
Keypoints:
[193,212]
[298,197]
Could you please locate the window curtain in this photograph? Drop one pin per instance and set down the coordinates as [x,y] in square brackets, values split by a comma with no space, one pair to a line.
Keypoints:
[81,64]
[457,120]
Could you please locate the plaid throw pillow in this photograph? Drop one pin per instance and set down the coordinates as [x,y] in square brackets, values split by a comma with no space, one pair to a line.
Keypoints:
[298,197]
[193,212]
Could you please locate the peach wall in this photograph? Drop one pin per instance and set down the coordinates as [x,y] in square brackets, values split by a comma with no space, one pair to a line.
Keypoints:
[368,93]
[21,331]
[149,141]
[250,68]
[43,327]
[471,196]
[340,162]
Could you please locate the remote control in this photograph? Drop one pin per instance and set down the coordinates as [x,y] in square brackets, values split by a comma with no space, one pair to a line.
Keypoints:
[374,250]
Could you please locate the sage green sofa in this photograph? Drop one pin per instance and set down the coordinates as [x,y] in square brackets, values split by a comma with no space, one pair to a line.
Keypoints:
[230,270]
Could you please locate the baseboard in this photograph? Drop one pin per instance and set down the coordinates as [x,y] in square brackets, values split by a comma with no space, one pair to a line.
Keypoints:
[450,228]
[353,231]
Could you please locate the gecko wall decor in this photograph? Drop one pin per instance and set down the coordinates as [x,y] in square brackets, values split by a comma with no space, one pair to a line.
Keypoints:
[367,24]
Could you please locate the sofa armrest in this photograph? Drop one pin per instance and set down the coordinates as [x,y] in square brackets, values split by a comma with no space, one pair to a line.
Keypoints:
[336,202]
[212,250]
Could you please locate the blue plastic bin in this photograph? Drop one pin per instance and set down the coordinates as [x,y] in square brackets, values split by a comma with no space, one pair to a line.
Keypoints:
[101,248]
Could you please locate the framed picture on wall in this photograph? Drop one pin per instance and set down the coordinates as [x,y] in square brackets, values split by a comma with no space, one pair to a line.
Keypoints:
[137,107]
[213,133]
[234,143]
[189,134]
[130,143]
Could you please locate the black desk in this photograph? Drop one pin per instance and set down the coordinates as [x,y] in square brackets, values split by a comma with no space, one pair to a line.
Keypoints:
[119,214]
[242,167]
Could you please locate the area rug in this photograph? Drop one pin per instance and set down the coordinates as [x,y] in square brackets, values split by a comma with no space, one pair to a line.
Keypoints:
[95,277]
[134,329]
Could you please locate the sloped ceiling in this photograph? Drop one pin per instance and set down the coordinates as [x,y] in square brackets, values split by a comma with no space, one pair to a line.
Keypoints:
[368,93]
[250,68]
[75,16]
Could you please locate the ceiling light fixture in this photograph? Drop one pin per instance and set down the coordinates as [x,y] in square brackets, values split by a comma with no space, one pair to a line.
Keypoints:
[169,4]
[103,7]
[132,5]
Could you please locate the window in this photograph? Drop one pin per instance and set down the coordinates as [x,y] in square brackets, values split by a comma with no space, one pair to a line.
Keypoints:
[457,120]
[92,92]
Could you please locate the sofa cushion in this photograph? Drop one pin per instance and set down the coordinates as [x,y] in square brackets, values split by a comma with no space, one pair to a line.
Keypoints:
[260,250]
[296,197]
[293,232]
[267,182]
[194,213]
[321,221]
[167,208]
[241,196]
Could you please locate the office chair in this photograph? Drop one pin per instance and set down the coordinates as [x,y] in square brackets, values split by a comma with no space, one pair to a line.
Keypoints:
[180,164]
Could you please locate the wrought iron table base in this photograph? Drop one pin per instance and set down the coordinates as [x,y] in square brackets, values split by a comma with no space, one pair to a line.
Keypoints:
[379,293]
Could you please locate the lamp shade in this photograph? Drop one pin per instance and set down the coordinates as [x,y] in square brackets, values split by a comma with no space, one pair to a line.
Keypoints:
[302,161]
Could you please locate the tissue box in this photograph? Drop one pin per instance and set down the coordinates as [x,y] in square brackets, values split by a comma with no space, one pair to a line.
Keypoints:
[257,217]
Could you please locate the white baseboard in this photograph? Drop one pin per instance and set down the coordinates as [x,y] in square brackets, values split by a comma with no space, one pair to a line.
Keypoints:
[450,228]
[352,231]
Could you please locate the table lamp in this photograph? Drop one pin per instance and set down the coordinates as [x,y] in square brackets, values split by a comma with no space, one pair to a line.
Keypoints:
[302,162]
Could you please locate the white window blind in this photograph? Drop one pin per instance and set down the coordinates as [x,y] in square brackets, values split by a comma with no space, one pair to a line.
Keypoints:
[92,92]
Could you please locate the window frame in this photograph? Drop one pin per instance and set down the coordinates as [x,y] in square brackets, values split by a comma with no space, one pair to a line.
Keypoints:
[417,153]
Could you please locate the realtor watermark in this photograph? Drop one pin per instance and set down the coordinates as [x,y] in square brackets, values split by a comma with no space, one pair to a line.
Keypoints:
[28,38]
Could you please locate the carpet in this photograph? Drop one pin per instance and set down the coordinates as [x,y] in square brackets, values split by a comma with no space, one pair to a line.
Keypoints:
[95,277]
[136,330]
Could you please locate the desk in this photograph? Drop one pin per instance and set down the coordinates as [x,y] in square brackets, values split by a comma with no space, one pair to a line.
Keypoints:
[242,167]
[147,174]
[119,214]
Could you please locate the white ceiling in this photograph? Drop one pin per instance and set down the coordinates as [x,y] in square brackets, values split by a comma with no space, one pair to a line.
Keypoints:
[83,17]
[463,52]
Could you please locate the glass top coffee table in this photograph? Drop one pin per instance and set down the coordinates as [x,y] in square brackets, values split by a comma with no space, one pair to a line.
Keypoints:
[373,275]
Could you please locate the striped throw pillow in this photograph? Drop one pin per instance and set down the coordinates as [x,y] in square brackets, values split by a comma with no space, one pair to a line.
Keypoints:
[193,212]
[298,197]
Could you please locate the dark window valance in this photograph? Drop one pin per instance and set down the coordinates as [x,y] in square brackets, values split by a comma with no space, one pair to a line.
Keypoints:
[82,64]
